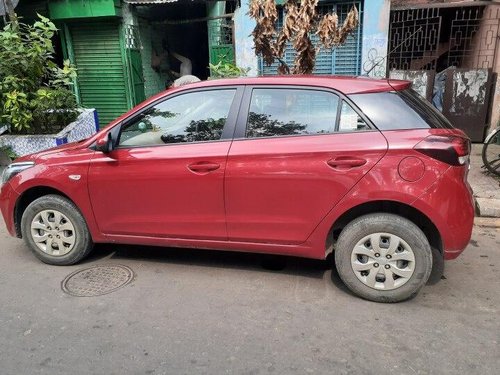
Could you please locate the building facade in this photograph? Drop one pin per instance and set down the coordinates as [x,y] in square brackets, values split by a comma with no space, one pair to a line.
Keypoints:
[451,51]
[364,49]
[124,50]
[128,50]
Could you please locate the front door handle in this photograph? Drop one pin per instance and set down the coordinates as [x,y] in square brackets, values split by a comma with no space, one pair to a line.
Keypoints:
[346,162]
[203,167]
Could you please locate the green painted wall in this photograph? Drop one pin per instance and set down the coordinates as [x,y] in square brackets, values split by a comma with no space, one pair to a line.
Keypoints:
[67,9]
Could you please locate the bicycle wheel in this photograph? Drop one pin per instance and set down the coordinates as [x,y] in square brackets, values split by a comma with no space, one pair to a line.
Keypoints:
[491,152]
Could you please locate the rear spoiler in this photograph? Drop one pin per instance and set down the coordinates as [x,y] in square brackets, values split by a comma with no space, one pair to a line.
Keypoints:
[399,84]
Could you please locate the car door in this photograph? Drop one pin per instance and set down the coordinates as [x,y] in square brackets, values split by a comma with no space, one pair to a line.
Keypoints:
[297,152]
[165,176]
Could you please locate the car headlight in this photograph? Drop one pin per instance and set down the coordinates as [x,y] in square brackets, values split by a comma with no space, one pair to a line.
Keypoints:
[14,169]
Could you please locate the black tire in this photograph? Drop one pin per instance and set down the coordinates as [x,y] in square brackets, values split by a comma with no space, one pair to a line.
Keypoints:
[396,225]
[491,154]
[83,242]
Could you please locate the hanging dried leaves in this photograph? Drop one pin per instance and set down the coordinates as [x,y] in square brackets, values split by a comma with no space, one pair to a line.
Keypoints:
[306,53]
[289,27]
[330,34]
[266,15]
[327,29]
[299,23]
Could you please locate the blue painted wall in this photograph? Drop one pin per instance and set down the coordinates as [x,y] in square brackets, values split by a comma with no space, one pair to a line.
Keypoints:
[375,36]
[243,27]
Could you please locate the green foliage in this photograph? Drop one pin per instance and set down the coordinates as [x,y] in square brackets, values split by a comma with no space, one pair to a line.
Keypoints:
[226,70]
[53,108]
[7,150]
[35,95]
[64,76]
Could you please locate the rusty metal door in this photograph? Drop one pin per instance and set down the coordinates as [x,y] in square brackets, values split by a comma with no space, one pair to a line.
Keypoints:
[466,100]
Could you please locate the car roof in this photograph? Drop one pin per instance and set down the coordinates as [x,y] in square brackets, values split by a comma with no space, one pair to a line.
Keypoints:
[345,84]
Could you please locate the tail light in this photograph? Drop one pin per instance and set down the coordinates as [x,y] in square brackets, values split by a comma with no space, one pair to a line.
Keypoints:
[449,149]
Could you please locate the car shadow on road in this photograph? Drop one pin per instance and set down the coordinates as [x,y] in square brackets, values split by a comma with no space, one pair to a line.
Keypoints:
[311,268]
[294,266]
[212,258]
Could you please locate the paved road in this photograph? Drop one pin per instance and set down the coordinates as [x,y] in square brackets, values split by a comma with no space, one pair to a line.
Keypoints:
[201,312]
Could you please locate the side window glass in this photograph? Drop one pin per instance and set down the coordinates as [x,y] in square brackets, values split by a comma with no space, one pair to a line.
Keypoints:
[282,112]
[192,117]
[350,121]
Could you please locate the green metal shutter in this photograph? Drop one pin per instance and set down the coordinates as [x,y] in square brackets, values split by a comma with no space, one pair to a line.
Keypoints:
[97,55]
[344,60]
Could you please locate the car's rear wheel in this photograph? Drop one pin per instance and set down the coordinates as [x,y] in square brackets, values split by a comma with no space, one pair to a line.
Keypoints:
[55,231]
[383,257]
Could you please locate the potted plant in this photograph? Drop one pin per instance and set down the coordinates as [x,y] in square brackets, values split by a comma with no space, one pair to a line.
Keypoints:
[38,108]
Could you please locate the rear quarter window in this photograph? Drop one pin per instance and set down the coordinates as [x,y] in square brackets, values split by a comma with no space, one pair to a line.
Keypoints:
[400,110]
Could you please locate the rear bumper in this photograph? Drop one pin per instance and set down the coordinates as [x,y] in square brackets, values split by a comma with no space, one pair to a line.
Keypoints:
[8,199]
[450,205]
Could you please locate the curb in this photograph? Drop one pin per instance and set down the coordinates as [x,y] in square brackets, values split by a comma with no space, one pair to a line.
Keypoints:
[488,207]
[487,222]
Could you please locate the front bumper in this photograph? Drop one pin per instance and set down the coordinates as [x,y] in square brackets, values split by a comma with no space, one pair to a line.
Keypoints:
[8,199]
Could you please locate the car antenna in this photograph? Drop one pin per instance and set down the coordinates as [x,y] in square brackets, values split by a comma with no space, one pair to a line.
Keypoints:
[395,48]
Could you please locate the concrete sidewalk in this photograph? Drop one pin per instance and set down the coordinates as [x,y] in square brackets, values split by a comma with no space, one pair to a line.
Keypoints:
[486,186]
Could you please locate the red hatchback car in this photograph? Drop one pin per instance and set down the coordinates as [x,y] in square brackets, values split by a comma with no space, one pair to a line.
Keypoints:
[301,166]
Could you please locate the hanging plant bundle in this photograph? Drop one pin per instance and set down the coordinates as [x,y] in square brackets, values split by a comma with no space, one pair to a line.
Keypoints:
[300,22]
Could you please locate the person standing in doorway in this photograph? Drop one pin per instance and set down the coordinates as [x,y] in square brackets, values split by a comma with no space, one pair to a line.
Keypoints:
[185,72]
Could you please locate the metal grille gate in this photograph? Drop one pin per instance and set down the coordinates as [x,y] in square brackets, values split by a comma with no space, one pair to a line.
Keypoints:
[422,38]
[220,34]
[414,39]
[464,40]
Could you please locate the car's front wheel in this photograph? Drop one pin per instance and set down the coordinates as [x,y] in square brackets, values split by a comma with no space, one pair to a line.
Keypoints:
[383,257]
[55,231]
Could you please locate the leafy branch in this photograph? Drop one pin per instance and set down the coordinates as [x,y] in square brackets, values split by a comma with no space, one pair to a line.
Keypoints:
[225,70]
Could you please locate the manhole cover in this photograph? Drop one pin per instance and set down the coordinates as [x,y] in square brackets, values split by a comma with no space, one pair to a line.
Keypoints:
[97,280]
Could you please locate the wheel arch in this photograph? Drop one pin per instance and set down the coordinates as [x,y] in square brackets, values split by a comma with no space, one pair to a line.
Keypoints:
[414,215]
[29,196]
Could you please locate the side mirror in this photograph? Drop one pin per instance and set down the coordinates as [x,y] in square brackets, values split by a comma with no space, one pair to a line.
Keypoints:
[105,143]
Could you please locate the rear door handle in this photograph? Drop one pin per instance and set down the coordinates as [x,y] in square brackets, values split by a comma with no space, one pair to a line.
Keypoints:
[203,167]
[346,162]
